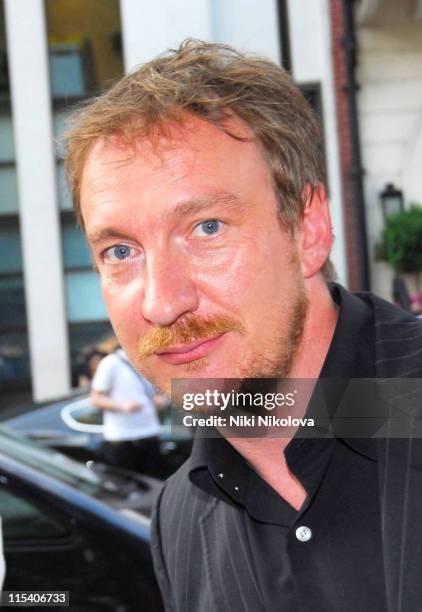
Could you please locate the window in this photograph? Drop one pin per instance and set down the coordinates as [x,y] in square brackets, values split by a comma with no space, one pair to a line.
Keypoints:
[14,353]
[85,55]
[24,521]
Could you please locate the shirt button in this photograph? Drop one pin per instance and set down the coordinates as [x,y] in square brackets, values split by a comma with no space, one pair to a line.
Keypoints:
[303,533]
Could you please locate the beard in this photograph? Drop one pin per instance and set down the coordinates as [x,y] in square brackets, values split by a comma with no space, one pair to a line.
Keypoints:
[277,360]
[274,359]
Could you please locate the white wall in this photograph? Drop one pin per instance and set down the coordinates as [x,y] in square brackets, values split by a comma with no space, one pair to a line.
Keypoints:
[250,25]
[310,36]
[390,109]
[149,28]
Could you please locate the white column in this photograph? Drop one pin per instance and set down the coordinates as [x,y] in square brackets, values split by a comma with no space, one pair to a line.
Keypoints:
[248,25]
[310,37]
[149,28]
[39,219]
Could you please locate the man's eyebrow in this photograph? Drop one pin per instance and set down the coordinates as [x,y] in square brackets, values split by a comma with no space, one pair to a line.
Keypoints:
[184,208]
[190,207]
[100,234]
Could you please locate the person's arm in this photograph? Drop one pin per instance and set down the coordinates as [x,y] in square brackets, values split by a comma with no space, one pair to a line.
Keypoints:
[83,380]
[101,400]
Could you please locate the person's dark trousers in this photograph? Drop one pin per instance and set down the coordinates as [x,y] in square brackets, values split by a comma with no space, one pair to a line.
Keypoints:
[142,455]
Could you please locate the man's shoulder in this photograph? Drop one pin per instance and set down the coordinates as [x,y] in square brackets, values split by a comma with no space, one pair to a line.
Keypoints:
[178,490]
[178,480]
[176,520]
[104,373]
[386,311]
[398,338]
[390,320]
[111,364]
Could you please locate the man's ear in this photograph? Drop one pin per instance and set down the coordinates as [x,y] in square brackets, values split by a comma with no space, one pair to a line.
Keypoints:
[315,236]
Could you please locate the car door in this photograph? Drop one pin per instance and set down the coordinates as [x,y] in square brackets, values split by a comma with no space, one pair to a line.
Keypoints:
[53,547]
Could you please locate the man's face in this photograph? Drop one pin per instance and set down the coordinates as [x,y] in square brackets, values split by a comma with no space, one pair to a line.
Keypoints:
[199,277]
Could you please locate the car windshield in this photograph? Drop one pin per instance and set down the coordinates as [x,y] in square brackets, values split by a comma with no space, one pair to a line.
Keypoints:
[118,487]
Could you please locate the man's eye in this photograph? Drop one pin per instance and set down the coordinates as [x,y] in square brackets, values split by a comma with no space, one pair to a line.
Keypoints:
[119,252]
[209,227]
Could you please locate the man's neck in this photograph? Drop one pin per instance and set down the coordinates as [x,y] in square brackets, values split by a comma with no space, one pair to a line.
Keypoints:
[266,455]
[318,333]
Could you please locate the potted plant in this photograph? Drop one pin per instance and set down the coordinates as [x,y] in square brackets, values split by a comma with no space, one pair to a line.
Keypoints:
[401,245]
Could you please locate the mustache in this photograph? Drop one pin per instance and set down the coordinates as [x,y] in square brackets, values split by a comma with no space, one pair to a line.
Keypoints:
[184,331]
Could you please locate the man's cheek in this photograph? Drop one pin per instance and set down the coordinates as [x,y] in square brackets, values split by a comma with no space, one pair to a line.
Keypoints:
[228,285]
[117,290]
[123,303]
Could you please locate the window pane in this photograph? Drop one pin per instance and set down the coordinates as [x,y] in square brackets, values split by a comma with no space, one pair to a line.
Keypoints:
[14,353]
[7,153]
[12,301]
[76,253]
[84,299]
[23,520]
[10,250]
[65,200]
[66,70]
[8,190]
[14,364]
[84,45]
[60,119]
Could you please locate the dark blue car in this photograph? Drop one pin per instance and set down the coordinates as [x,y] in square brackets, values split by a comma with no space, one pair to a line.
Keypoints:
[70,526]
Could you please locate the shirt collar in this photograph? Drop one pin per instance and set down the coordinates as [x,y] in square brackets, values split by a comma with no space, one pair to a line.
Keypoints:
[351,353]
[352,349]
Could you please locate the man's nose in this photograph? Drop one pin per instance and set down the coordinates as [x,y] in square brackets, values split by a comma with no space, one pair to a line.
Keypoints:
[169,290]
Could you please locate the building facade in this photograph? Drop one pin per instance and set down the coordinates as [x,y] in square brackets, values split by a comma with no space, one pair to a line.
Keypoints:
[56,53]
[389,73]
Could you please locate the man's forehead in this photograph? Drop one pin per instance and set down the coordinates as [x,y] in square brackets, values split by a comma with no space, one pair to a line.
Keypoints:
[114,167]
[113,154]
[167,146]
[185,162]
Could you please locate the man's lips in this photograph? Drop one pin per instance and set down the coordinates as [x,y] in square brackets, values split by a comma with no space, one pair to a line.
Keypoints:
[184,353]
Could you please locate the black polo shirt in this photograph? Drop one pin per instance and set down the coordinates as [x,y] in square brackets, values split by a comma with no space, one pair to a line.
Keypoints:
[328,555]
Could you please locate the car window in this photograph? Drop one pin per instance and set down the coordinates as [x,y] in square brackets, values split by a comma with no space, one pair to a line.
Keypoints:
[120,489]
[27,520]
[48,461]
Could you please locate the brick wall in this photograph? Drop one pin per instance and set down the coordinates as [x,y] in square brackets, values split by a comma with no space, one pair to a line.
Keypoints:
[351,233]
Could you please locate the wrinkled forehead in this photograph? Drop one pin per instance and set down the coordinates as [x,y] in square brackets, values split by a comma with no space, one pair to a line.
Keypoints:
[109,167]
[163,141]
[112,154]
[179,150]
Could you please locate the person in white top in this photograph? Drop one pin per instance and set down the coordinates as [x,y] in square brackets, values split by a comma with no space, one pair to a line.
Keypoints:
[131,424]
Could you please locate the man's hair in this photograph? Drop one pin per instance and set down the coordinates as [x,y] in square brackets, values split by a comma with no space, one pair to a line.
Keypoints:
[213,82]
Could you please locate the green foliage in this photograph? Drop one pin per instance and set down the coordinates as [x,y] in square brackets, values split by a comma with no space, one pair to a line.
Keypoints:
[401,241]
